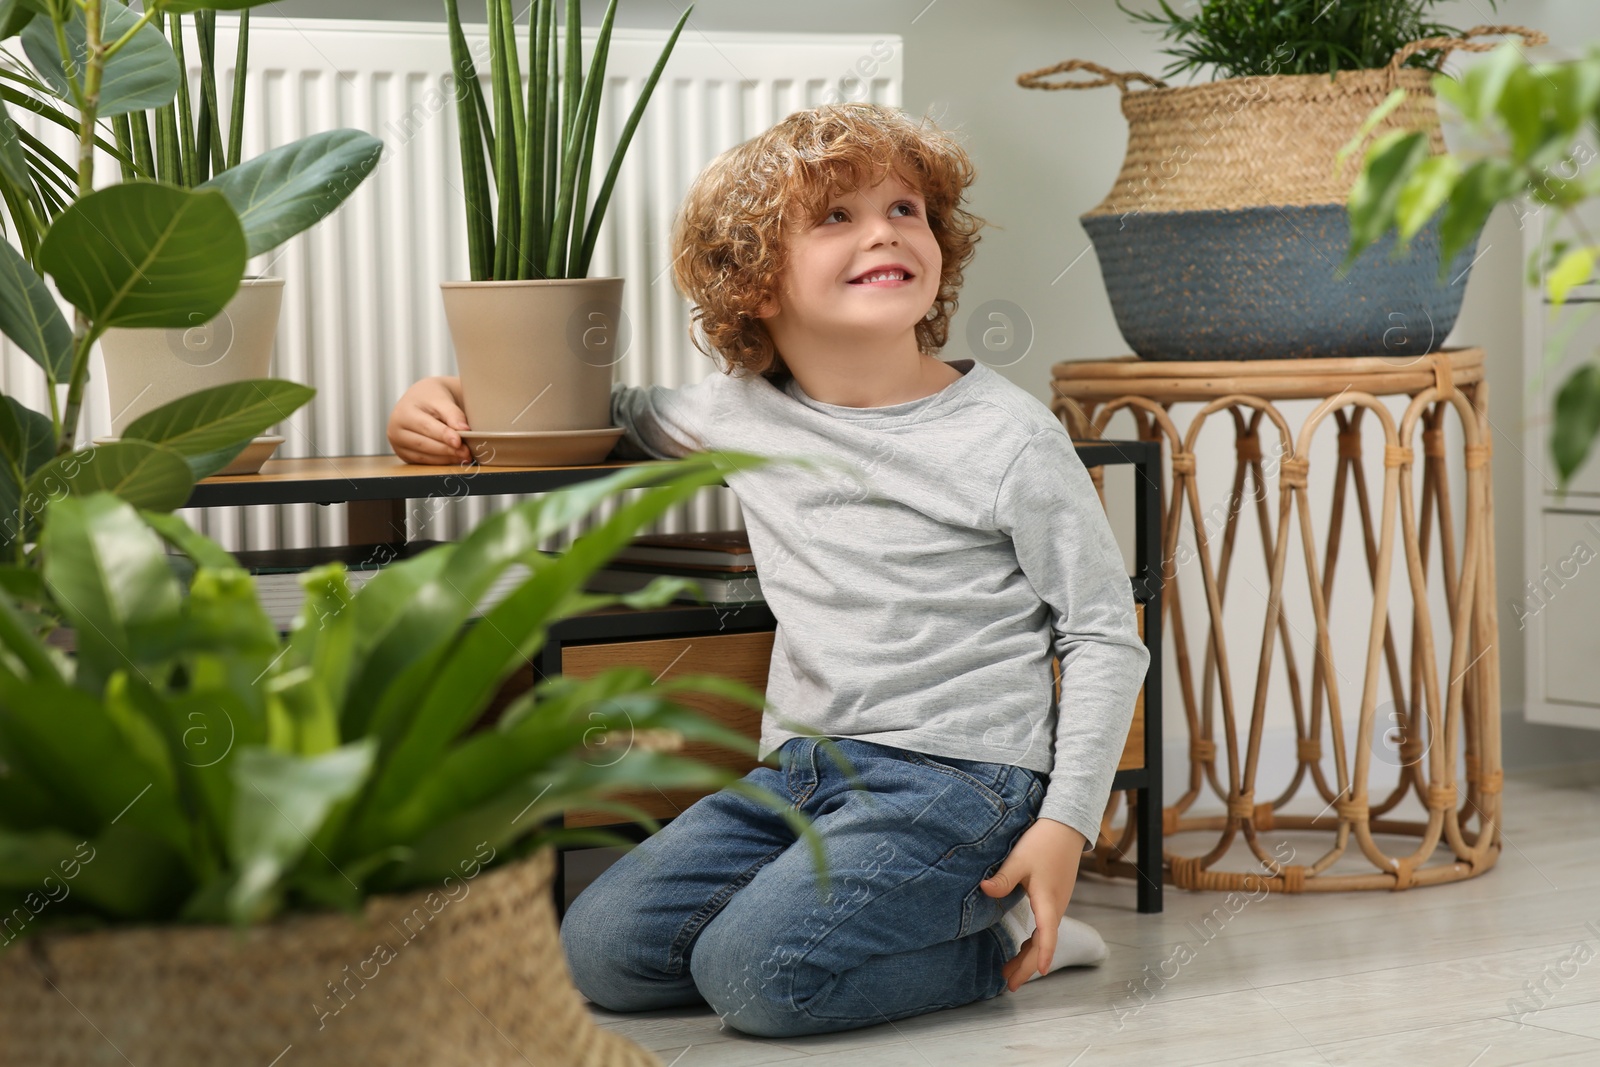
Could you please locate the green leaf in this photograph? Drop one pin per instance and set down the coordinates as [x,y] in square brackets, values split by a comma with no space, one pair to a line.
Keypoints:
[143,74]
[280,802]
[1574,92]
[289,189]
[61,737]
[1376,192]
[411,609]
[30,316]
[502,821]
[180,535]
[143,254]
[599,715]
[428,700]
[1484,81]
[1425,193]
[211,426]
[201,730]
[27,437]
[1575,268]
[1577,421]
[19,636]
[1521,107]
[27,442]
[108,573]
[1484,185]
[124,871]
[14,17]
[13,162]
[1452,92]
[322,636]
[145,475]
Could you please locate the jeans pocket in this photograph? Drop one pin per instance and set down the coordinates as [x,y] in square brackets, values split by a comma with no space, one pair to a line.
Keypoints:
[987,779]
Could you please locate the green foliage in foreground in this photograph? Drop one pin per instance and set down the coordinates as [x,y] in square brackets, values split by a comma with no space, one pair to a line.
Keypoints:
[1534,127]
[190,764]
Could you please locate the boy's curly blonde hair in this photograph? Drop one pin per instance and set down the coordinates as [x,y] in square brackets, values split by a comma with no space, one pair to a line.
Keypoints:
[727,241]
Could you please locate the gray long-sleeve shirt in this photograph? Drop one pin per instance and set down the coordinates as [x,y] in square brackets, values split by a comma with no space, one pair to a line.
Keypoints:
[919,599]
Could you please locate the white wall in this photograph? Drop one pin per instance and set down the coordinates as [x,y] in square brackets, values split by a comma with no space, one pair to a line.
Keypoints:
[1045,158]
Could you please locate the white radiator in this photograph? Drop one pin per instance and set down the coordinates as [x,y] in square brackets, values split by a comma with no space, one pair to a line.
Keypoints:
[362,317]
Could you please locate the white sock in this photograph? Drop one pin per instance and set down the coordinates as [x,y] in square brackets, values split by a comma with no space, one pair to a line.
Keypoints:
[1077,943]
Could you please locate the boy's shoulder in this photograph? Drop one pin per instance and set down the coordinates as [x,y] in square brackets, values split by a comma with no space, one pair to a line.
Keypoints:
[1013,416]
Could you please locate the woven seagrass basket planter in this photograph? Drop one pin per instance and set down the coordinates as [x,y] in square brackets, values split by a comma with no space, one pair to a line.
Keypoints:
[1223,234]
[466,976]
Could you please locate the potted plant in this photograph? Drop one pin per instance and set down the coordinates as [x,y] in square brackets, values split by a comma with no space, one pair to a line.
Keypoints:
[331,794]
[1529,122]
[1224,233]
[134,254]
[191,148]
[535,337]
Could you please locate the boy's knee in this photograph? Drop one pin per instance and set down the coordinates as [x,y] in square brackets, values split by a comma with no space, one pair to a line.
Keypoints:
[748,982]
[589,959]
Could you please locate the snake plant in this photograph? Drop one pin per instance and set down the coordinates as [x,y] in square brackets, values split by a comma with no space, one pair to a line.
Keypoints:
[538,147]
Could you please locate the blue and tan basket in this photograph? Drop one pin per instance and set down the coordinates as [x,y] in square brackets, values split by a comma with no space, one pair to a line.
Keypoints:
[1224,232]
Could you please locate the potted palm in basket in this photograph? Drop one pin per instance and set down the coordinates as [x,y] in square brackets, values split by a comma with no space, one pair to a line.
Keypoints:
[382,856]
[535,337]
[1224,233]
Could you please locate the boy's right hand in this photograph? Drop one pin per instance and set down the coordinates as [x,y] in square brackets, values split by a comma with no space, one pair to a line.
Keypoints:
[424,425]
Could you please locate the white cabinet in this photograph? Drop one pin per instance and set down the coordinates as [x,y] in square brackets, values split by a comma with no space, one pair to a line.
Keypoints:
[1557,611]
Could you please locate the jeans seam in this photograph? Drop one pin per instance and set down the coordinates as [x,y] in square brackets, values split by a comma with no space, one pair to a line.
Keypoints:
[697,921]
[810,946]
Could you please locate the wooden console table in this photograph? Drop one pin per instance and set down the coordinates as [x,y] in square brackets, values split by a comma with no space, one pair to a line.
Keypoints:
[730,639]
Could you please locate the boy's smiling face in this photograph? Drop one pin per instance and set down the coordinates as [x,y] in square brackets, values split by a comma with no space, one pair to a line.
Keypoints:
[870,265]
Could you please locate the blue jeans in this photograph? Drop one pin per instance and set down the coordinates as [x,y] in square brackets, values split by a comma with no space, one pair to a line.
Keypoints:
[721,906]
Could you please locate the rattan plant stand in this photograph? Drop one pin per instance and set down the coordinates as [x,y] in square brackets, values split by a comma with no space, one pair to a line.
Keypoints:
[1441,706]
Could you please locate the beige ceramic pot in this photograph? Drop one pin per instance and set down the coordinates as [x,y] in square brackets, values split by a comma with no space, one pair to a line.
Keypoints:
[146,368]
[536,356]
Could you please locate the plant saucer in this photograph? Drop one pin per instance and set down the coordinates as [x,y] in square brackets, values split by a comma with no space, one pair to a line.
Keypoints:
[541,448]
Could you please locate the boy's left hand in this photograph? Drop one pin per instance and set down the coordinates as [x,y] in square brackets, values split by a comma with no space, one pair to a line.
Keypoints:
[1044,861]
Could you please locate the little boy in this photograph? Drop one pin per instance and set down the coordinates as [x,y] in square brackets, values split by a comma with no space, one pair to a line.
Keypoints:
[918,605]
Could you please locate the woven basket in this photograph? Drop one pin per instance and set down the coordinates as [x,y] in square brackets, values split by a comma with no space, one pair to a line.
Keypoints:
[1221,237]
[473,977]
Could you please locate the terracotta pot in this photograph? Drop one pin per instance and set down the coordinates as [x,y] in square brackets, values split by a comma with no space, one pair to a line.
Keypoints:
[146,368]
[469,972]
[536,356]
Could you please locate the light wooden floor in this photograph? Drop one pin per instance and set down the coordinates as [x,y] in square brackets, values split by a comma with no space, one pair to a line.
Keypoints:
[1502,969]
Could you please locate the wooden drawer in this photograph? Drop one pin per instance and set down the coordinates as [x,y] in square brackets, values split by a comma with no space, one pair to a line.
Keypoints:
[742,657]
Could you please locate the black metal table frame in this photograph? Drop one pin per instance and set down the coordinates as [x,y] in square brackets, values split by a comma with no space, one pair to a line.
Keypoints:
[690,620]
